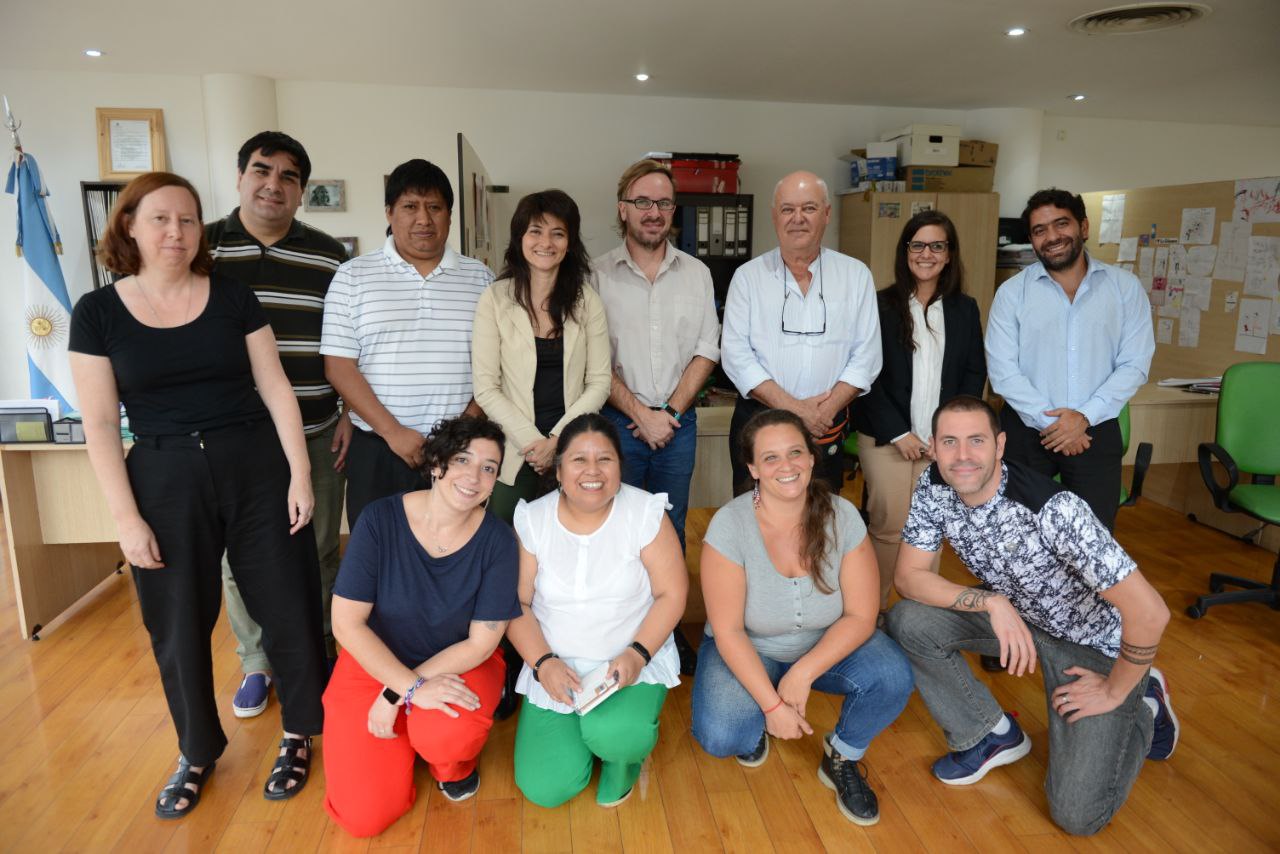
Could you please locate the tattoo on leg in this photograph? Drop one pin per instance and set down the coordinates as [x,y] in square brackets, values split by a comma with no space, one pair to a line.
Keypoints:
[972,599]
[1135,654]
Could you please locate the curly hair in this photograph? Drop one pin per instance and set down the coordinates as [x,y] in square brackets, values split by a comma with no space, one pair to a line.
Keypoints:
[818,524]
[452,436]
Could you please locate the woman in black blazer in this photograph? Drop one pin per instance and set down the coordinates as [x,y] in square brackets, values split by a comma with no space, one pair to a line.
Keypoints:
[931,336]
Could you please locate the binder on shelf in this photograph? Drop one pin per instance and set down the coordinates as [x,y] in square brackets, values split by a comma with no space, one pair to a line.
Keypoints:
[744,230]
[731,230]
[704,231]
[688,229]
[717,231]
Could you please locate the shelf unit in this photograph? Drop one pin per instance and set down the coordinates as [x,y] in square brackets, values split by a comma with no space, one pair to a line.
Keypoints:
[97,198]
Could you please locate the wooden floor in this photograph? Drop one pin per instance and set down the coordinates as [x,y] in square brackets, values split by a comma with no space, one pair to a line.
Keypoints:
[85,743]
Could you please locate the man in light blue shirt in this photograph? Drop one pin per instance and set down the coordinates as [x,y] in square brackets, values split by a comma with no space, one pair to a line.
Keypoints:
[801,328]
[1069,341]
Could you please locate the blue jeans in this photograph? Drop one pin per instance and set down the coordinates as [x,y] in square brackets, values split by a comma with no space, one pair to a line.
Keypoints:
[875,680]
[663,470]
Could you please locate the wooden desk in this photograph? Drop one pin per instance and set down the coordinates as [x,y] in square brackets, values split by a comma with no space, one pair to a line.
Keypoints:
[62,539]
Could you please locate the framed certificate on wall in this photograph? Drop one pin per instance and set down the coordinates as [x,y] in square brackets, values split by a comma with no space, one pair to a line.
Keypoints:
[130,142]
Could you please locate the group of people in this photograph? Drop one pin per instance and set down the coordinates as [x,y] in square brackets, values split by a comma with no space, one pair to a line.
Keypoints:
[515,459]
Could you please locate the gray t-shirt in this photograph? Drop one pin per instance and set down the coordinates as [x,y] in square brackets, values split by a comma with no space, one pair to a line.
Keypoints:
[784,617]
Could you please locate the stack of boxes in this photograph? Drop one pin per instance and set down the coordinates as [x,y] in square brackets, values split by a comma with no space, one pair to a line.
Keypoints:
[924,158]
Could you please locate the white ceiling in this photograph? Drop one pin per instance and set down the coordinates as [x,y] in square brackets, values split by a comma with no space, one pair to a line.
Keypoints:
[915,53]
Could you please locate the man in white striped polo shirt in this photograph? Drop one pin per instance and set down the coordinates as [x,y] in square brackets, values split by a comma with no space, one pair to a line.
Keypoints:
[397,335]
[289,265]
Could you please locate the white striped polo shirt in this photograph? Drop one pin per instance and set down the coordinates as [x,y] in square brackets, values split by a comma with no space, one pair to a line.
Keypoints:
[410,334]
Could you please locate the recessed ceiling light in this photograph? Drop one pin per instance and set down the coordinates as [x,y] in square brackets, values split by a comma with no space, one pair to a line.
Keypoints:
[1016,31]
[1076,97]
[642,77]
[94,52]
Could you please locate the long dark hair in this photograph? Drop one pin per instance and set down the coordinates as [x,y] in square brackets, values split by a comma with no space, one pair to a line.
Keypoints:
[818,525]
[571,278]
[897,297]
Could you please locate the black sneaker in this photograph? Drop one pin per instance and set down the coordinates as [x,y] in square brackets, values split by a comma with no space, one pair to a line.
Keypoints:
[460,790]
[848,778]
[755,758]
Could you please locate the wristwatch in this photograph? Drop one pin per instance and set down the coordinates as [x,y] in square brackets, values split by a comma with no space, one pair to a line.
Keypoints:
[390,696]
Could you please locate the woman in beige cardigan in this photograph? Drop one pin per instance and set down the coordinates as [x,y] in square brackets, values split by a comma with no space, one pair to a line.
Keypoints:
[540,352]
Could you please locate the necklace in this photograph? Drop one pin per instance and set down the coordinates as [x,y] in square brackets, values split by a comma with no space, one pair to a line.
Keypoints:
[156,314]
[434,543]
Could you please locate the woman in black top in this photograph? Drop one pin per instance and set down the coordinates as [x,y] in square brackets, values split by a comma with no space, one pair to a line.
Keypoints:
[540,352]
[931,337]
[219,462]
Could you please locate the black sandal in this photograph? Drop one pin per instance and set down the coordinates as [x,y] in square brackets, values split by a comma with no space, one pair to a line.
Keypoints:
[176,789]
[289,766]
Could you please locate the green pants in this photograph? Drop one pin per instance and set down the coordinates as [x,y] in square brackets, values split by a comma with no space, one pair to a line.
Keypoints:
[326,522]
[555,752]
[504,499]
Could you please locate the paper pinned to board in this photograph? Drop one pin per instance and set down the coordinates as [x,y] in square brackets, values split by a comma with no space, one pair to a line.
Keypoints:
[1162,262]
[1112,218]
[1233,299]
[1164,331]
[1197,225]
[1159,287]
[1128,249]
[1196,291]
[1257,200]
[1178,261]
[1253,323]
[1189,327]
[1200,260]
[1173,298]
[1275,315]
[1233,251]
[1262,273]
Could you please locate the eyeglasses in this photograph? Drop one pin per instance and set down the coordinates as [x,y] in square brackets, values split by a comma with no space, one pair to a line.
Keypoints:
[643,204]
[937,247]
[786,294]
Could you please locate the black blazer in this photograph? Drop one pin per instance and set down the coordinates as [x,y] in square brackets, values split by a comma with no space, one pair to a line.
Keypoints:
[884,412]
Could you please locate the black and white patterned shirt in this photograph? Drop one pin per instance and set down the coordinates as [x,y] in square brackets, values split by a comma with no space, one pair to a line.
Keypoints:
[1037,544]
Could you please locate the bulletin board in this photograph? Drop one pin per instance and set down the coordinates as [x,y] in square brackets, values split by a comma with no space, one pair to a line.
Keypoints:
[1230,290]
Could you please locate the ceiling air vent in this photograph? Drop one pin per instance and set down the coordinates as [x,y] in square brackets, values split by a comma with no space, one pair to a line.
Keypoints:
[1139,18]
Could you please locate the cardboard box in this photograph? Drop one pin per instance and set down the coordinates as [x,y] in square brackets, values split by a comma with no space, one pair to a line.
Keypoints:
[975,152]
[926,145]
[949,179]
[879,162]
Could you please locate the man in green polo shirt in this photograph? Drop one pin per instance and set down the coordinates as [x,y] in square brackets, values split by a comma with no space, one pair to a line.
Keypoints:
[289,265]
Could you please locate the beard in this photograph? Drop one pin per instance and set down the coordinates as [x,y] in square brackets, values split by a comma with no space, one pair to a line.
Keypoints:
[637,235]
[1063,263]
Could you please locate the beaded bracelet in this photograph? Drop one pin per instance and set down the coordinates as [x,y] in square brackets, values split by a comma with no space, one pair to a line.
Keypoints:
[408,695]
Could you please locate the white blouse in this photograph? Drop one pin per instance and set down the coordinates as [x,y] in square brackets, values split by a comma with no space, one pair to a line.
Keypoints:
[592,591]
[926,366]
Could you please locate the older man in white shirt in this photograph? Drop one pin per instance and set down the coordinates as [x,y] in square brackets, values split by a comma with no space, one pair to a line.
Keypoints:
[801,330]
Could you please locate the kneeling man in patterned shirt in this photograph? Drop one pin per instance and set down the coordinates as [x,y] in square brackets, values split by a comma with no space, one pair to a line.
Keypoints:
[1056,590]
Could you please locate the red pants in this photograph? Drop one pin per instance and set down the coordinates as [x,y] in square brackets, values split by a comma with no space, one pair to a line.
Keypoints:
[369,781]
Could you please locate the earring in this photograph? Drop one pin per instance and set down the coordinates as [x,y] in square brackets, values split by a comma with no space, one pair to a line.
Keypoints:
[755,496]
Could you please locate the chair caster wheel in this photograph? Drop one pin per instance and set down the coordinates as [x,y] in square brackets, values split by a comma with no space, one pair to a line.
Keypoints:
[1195,612]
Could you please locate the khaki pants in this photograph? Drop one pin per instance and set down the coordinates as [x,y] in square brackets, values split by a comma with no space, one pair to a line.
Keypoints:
[890,482]
[327,485]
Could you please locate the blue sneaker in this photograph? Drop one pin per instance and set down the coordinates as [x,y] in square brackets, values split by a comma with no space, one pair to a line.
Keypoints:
[1165,738]
[961,768]
[251,698]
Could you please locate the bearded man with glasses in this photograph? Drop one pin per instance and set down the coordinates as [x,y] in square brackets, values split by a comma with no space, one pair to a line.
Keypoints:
[801,329]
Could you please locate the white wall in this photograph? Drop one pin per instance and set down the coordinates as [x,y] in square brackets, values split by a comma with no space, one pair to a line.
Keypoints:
[580,143]
[1088,155]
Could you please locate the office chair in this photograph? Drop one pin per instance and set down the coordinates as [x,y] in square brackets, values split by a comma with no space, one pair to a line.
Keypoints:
[1248,440]
[1141,462]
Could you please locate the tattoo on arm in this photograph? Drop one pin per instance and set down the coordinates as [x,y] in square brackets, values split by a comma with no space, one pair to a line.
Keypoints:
[972,599]
[491,625]
[1140,655]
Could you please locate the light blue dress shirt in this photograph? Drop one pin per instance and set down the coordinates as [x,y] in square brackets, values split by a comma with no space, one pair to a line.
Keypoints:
[1089,354]
[753,347]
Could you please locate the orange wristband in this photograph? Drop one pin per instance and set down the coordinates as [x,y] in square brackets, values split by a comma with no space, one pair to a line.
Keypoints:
[774,707]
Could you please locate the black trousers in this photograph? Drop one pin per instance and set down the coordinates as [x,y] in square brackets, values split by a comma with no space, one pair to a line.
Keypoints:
[1093,475]
[829,465]
[201,494]
[375,471]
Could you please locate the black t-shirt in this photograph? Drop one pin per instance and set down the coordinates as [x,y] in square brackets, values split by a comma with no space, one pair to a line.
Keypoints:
[548,384]
[424,604]
[182,379]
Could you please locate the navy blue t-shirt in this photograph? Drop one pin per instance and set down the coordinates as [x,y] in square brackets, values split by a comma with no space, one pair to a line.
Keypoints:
[424,604]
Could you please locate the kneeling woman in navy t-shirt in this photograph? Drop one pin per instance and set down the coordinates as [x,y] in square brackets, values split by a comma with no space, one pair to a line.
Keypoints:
[425,591]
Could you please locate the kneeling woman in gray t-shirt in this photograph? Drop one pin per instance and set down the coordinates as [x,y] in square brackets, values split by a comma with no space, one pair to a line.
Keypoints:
[792,593]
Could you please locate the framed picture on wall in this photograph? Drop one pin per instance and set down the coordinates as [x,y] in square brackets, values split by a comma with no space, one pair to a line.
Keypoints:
[130,142]
[325,194]
[351,244]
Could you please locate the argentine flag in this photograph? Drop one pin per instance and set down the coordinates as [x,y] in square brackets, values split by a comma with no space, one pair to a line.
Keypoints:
[47,319]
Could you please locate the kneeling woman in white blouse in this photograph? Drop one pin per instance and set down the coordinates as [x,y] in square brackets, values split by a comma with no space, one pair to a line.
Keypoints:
[602,581]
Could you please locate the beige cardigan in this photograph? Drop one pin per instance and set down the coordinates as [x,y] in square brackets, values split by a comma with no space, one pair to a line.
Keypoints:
[504,360]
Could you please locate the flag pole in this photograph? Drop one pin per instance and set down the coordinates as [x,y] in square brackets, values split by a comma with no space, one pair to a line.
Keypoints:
[12,125]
